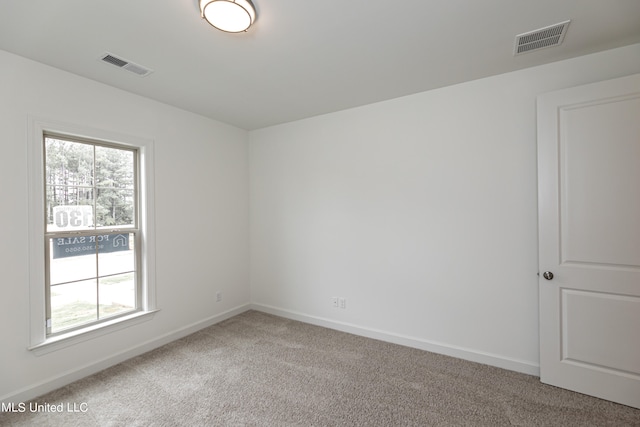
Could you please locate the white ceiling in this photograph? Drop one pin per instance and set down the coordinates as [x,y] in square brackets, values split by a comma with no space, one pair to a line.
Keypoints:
[302,57]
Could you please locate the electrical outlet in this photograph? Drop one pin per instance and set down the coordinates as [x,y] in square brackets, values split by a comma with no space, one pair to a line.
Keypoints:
[342,302]
[334,302]
[218,296]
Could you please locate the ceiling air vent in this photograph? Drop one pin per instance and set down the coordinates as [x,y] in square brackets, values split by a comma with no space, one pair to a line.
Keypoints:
[125,65]
[549,36]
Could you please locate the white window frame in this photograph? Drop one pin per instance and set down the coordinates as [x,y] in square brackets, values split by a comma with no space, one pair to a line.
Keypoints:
[39,342]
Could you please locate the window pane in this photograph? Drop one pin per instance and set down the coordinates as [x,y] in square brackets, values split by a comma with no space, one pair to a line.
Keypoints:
[89,186]
[69,208]
[116,254]
[117,294]
[68,163]
[115,208]
[71,259]
[114,168]
[73,304]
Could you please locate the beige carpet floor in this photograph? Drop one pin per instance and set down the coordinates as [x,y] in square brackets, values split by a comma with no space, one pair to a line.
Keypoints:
[261,370]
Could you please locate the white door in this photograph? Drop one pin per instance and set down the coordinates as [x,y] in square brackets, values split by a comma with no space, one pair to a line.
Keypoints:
[589,239]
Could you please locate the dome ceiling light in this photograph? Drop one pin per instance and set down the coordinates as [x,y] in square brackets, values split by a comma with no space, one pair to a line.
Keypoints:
[232,16]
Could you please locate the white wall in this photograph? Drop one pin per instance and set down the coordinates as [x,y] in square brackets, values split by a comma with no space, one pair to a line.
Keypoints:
[201,213]
[420,211]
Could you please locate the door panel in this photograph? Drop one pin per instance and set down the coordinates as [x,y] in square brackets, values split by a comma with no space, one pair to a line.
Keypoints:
[600,168]
[589,340]
[589,238]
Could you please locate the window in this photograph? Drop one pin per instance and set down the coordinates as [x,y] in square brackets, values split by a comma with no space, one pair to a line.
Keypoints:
[91,233]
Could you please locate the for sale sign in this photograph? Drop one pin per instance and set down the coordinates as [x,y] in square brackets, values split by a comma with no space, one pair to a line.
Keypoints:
[80,217]
[86,245]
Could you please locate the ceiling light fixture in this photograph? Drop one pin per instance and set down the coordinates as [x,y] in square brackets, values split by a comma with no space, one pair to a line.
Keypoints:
[232,16]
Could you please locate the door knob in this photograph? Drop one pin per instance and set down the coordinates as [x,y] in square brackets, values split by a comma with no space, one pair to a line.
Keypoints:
[547,275]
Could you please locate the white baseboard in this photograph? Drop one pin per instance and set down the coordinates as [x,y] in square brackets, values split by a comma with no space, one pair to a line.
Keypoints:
[434,347]
[50,384]
[70,376]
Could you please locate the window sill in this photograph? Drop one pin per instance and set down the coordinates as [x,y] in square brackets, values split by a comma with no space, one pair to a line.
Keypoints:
[65,340]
